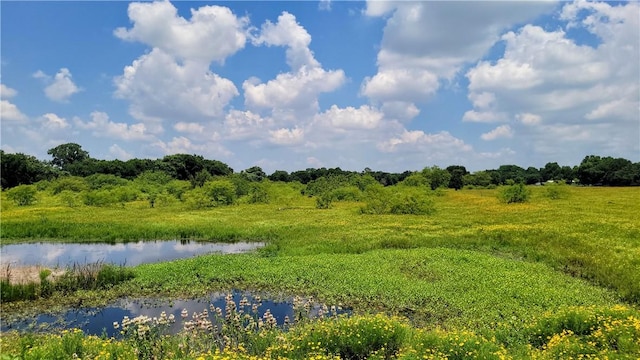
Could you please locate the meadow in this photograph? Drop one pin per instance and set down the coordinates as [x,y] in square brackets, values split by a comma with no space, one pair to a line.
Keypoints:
[513,280]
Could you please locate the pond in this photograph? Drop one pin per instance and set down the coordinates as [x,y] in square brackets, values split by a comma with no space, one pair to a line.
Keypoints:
[98,321]
[130,254]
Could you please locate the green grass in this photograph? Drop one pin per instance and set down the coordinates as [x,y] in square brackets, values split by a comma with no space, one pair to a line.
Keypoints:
[475,263]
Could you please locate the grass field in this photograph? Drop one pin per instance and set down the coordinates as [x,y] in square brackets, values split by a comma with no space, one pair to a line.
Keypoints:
[476,264]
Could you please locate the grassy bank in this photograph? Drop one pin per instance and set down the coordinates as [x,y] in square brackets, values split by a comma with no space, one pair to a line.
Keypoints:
[592,233]
[581,333]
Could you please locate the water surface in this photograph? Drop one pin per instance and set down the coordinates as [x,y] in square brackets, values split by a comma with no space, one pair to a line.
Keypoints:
[98,321]
[130,254]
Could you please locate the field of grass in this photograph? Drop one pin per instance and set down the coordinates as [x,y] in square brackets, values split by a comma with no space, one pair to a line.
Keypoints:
[476,264]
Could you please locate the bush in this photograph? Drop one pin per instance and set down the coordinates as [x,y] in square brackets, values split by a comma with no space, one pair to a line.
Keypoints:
[412,204]
[556,191]
[347,193]
[406,201]
[258,193]
[22,195]
[71,183]
[220,192]
[517,193]
[104,181]
[324,201]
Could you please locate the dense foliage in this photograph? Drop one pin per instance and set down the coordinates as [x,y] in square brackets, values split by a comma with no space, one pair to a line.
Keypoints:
[71,159]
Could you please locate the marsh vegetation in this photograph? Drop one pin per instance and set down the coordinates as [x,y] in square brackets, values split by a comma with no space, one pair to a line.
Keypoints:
[487,271]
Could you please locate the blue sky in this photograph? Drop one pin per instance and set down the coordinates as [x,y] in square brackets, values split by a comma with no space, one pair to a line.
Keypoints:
[391,86]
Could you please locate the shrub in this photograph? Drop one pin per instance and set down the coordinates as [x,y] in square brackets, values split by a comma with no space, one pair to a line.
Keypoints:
[220,192]
[381,200]
[347,193]
[517,193]
[258,193]
[71,183]
[324,201]
[69,198]
[22,195]
[556,191]
[104,181]
[413,204]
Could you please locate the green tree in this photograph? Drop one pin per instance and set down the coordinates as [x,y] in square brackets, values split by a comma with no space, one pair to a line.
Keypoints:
[280,175]
[436,177]
[532,176]
[457,173]
[20,169]
[551,171]
[254,173]
[66,154]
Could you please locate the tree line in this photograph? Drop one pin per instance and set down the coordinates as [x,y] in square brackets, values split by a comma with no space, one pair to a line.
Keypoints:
[71,160]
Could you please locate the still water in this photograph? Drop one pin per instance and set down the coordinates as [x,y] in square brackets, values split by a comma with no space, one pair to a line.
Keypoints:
[130,254]
[98,321]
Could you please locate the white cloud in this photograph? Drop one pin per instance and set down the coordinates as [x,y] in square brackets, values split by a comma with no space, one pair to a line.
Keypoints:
[212,34]
[119,153]
[239,125]
[529,119]
[173,82]
[585,93]
[424,42]
[502,131]
[400,85]
[188,127]
[159,87]
[291,97]
[287,32]
[293,91]
[53,122]
[184,145]
[10,112]
[418,141]
[483,116]
[61,87]
[103,127]
[287,136]
[7,92]
[400,110]
[350,118]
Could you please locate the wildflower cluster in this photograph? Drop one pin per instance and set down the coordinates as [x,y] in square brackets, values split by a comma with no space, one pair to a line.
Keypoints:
[586,333]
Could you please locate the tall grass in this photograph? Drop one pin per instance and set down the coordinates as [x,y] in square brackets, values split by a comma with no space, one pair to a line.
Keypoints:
[92,276]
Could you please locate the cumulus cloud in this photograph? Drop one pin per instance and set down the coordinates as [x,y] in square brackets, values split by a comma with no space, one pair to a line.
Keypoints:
[287,32]
[417,140]
[287,136]
[173,81]
[425,42]
[484,116]
[119,153]
[54,122]
[212,34]
[240,125]
[189,128]
[184,145]
[103,127]
[292,96]
[502,131]
[7,92]
[159,87]
[10,112]
[60,87]
[585,93]
[350,118]
[529,119]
